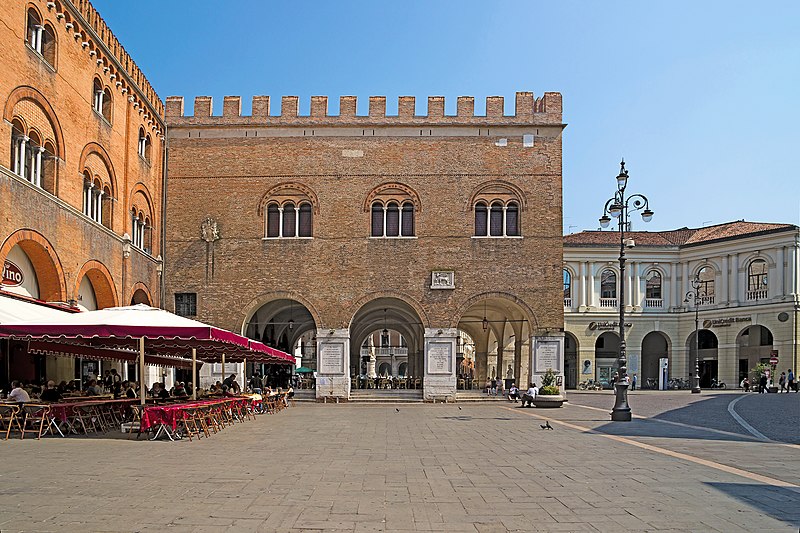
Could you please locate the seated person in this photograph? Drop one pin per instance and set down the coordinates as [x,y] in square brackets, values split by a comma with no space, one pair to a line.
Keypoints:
[18,394]
[50,393]
[130,389]
[530,395]
[745,385]
[179,391]
[93,389]
[227,391]
[513,393]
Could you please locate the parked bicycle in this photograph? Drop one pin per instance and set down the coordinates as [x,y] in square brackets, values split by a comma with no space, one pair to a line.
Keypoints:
[716,384]
[589,385]
[651,383]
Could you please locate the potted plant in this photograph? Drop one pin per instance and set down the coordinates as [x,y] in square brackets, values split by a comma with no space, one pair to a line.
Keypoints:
[549,393]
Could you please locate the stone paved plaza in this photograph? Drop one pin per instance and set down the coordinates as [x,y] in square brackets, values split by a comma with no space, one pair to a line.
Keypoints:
[480,467]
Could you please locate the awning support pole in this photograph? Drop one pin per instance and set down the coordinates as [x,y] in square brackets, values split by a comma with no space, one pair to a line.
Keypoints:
[244,376]
[223,367]
[194,373]
[142,386]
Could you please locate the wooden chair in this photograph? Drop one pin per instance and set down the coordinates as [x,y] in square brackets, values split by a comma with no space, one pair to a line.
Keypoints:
[136,421]
[9,419]
[35,419]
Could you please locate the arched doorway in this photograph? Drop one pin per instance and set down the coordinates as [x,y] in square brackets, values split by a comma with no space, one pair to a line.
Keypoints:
[571,361]
[606,353]
[708,365]
[465,362]
[140,296]
[288,325]
[754,346]
[500,328]
[96,288]
[655,346]
[386,333]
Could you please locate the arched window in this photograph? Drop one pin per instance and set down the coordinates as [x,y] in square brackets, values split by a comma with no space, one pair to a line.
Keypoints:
[273,221]
[105,207]
[289,220]
[107,104]
[567,288]
[608,284]
[41,37]
[407,218]
[144,145]
[707,276]
[512,219]
[653,287]
[289,210]
[305,223]
[97,97]
[377,220]
[392,219]
[757,280]
[481,219]
[496,220]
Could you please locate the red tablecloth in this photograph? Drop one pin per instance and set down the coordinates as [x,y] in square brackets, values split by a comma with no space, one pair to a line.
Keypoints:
[171,415]
[62,411]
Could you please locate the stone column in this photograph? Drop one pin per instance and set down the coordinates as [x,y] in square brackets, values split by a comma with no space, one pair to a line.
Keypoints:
[590,300]
[777,288]
[685,282]
[581,287]
[629,301]
[440,363]
[734,288]
[791,287]
[518,361]
[674,294]
[333,363]
[723,296]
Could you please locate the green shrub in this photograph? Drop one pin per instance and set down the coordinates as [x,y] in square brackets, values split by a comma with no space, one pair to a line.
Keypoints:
[549,378]
[549,390]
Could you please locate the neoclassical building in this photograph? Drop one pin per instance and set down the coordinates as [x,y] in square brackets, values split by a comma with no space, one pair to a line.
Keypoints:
[81,180]
[316,233]
[748,291]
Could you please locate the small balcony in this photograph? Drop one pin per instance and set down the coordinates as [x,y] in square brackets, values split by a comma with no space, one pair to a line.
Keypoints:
[707,299]
[608,303]
[654,303]
[568,303]
[760,294]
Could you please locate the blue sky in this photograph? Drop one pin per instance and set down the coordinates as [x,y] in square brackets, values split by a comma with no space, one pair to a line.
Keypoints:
[701,98]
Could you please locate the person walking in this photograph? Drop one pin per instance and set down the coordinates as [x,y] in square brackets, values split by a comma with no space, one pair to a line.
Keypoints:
[633,382]
[791,380]
[762,384]
[782,383]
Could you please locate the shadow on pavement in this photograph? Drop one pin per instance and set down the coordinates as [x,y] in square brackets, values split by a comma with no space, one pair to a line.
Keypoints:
[781,503]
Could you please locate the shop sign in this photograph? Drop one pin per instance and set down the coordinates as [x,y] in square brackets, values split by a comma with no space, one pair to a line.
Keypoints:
[606,325]
[12,275]
[725,322]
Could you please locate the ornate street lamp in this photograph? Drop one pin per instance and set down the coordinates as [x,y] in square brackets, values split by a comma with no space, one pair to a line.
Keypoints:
[620,207]
[694,294]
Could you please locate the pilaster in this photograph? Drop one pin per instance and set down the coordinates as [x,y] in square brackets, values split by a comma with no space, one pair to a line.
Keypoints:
[440,363]
[333,354]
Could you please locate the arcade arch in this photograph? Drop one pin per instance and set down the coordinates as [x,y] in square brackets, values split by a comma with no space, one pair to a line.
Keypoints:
[500,326]
[95,287]
[41,274]
[708,357]
[606,353]
[754,345]
[571,369]
[384,333]
[655,346]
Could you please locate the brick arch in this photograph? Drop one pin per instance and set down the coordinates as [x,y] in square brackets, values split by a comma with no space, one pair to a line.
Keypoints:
[140,287]
[527,312]
[94,148]
[29,93]
[289,190]
[49,273]
[405,298]
[497,190]
[395,191]
[105,291]
[141,189]
[259,301]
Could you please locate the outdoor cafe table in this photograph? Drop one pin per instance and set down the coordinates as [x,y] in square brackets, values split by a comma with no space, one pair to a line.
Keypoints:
[165,418]
[62,412]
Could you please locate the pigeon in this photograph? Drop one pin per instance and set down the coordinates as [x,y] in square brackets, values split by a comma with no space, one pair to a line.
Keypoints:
[542,426]
[396,409]
[459,408]
[547,424]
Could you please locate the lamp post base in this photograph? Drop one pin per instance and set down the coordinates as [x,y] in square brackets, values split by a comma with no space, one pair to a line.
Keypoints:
[621,411]
[696,391]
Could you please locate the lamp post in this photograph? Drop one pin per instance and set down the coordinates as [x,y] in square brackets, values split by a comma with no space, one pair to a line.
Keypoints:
[694,294]
[620,207]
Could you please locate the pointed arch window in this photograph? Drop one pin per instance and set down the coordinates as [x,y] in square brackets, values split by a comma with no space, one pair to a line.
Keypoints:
[40,37]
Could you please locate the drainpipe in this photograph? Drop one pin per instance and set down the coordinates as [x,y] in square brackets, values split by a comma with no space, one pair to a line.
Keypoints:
[165,156]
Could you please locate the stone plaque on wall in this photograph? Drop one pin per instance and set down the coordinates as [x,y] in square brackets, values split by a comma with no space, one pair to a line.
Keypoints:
[331,358]
[548,352]
[440,358]
[443,279]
